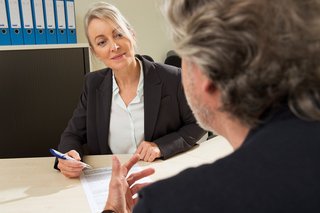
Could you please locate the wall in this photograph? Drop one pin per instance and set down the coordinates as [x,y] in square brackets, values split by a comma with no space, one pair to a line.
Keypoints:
[145,17]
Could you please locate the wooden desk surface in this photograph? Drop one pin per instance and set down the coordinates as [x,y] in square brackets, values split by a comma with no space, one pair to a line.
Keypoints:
[32,185]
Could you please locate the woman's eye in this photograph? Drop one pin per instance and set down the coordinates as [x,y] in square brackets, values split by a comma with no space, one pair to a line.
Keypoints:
[101,43]
[118,35]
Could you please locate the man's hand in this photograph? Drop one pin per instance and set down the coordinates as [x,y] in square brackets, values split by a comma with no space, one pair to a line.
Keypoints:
[148,151]
[70,168]
[122,188]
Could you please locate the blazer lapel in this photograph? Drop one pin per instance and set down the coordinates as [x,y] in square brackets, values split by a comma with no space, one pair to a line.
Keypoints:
[104,97]
[152,98]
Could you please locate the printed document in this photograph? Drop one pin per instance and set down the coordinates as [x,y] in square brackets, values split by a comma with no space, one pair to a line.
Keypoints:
[95,183]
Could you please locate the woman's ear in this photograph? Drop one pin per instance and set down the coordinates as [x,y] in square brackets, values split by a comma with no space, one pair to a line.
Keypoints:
[93,52]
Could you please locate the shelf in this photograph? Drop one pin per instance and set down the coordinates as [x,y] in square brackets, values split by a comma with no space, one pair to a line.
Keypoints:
[43,46]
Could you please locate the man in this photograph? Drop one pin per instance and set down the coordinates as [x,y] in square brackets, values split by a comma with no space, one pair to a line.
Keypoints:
[251,73]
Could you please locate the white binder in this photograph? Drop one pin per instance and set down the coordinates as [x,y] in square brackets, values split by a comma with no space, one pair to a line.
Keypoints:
[4,26]
[27,22]
[15,22]
[50,21]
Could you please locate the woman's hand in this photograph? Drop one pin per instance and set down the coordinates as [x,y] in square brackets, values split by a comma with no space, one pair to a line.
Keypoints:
[122,188]
[71,168]
[148,151]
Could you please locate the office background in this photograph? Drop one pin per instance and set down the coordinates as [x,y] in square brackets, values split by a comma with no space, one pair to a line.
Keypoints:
[145,17]
[41,91]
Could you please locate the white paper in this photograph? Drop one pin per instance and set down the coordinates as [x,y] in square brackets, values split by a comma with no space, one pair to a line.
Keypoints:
[95,183]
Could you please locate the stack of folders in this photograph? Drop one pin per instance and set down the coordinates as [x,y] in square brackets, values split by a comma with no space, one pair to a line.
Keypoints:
[28,22]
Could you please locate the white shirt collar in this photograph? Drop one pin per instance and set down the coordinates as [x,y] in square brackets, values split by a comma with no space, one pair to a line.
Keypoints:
[115,87]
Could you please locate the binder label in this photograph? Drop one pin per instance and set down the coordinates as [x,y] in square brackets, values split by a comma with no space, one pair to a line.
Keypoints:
[3,15]
[14,14]
[60,15]
[27,14]
[38,12]
[50,14]
[71,16]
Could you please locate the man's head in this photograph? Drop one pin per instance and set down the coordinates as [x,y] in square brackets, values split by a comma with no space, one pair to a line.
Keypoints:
[250,56]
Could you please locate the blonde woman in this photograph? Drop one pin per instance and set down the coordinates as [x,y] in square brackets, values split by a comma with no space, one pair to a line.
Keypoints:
[132,106]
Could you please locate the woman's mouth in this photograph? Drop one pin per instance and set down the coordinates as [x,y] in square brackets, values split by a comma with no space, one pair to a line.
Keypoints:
[117,57]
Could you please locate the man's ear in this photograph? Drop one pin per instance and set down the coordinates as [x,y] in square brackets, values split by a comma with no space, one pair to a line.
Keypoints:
[209,86]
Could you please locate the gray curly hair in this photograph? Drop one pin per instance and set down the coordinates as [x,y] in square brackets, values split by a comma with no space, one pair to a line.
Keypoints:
[261,54]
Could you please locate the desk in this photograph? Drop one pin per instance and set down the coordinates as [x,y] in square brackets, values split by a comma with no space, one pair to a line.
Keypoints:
[32,185]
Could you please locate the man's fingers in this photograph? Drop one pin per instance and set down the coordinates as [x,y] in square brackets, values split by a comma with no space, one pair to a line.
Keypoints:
[136,187]
[139,175]
[116,166]
[133,160]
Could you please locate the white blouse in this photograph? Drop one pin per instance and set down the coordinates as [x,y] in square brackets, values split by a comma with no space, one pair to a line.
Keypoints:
[126,123]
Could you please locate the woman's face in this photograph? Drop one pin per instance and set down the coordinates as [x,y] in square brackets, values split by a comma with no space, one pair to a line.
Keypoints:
[109,44]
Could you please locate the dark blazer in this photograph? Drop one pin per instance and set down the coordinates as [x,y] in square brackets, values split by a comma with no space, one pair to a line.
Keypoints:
[277,169]
[169,121]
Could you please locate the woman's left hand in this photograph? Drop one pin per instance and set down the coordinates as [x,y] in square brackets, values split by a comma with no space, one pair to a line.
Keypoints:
[148,151]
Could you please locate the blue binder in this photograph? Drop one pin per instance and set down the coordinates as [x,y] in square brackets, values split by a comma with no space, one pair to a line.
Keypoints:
[71,21]
[38,18]
[60,21]
[4,26]
[14,22]
[27,21]
[50,22]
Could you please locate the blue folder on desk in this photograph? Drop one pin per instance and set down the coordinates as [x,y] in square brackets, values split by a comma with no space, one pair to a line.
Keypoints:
[27,21]
[14,22]
[4,26]
[70,21]
[50,22]
[60,21]
[38,18]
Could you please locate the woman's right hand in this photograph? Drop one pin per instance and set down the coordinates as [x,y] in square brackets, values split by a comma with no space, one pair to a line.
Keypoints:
[71,168]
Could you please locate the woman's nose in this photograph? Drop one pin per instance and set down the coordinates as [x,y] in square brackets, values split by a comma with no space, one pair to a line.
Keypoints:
[114,47]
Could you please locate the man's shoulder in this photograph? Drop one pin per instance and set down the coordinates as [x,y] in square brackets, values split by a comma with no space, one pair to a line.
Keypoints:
[251,176]
[185,192]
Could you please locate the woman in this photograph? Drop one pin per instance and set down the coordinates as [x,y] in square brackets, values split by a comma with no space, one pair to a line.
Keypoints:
[133,106]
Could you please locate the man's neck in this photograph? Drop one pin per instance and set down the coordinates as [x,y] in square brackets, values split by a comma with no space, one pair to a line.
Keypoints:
[235,132]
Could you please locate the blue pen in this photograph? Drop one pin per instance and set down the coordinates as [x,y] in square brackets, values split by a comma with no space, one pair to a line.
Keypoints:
[66,157]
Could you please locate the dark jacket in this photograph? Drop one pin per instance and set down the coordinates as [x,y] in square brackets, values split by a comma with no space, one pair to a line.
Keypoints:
[169,121]
[277,169]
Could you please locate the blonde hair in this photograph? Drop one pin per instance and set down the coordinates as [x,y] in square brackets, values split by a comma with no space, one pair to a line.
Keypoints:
[105,11]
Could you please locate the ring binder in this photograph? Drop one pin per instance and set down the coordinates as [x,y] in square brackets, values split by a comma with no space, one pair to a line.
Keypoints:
[39,26]
[71,21]
[27,22]
[14,22]
[50,21]
[4,26]
[60,21]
